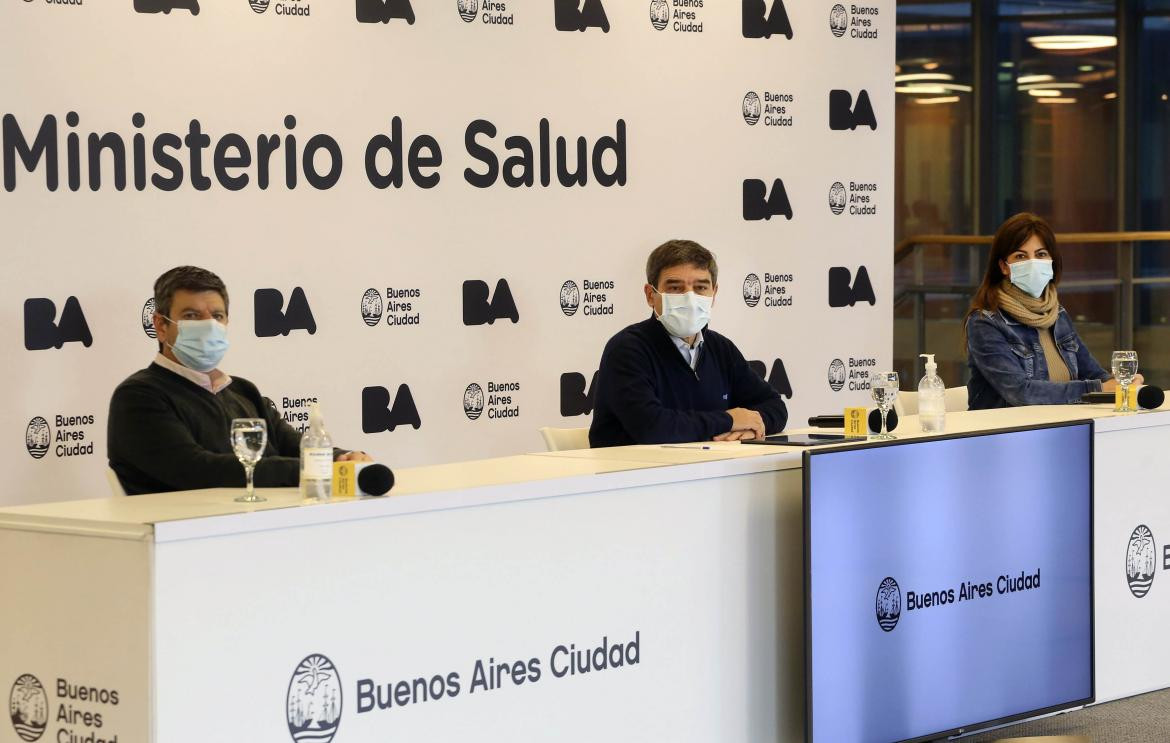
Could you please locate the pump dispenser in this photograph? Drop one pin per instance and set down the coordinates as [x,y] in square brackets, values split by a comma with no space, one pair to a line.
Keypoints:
[316,458]
[932,402]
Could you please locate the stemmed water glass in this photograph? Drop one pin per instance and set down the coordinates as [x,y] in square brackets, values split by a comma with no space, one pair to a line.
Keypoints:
[249,437]
[1125,368]
[884,389]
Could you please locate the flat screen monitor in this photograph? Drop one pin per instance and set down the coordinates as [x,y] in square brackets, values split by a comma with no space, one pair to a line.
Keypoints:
[948,583]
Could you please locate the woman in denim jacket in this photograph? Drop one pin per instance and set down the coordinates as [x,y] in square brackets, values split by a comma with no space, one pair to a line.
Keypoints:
[1021,345]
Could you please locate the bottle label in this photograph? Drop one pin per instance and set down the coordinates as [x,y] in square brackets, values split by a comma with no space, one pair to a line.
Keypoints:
[316,464]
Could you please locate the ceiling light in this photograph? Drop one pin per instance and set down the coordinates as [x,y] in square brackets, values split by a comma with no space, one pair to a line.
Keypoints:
[1072,42]
[922,89]
[1086,68]
[932,88]
[1053,85]
[930,66]
[1025,79]
[1111,95]
[1056,100]
[1040,93]
[945,99]
[923,76]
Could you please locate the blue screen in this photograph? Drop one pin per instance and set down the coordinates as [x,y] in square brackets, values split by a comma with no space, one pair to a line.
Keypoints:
[949,582]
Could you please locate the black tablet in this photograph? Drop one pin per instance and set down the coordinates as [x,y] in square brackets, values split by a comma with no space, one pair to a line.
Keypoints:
[804,439]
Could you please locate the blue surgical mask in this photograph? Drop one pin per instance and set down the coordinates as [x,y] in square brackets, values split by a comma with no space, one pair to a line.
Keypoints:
[683,315]
[201,344]
[1032,276]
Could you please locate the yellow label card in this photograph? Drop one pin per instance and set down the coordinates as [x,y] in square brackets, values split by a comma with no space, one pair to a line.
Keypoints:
[855,421]
[344,480]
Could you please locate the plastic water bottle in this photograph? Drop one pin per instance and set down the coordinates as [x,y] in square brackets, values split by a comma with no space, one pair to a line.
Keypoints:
[932,402]
[316,458]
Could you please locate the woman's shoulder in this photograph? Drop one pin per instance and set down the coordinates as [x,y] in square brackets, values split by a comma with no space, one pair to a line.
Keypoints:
[979,316]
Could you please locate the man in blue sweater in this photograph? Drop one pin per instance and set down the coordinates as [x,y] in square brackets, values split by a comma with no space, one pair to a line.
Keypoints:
[671,379]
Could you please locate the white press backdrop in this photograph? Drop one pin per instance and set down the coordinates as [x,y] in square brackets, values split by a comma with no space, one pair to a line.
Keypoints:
[242,68]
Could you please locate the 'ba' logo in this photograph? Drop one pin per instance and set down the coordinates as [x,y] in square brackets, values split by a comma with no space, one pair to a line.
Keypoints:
[28,706]
[372,307]
[659,13]
[751,290]
[889,604]
[148,319]
[837,375]
[751,108]
[570,298]
[1139,561]
[468,9]
[313,707]
[37,437]
[259,6]
[837,198]
[838,20]
[473,401]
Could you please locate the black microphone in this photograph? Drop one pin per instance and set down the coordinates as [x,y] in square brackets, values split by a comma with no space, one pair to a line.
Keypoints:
[1149,397]
[874,422]
[374,479]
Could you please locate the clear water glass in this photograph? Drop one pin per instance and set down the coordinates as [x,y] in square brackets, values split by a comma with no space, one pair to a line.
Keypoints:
[884,390]
[249,437]
[1125,369]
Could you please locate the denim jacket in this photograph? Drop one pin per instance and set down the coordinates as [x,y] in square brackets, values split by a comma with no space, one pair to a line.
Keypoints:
[1008,367]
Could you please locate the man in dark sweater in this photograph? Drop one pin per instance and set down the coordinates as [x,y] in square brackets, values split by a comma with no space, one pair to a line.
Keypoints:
[170,423]
[671,379]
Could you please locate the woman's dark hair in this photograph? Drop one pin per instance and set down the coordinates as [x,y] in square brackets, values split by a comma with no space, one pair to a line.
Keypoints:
[1008,238]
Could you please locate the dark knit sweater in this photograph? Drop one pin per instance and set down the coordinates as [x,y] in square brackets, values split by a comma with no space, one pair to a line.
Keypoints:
[168,433]
[648,394]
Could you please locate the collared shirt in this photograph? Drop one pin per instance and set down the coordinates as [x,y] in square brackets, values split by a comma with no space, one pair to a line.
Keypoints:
[690,354]
[214,381]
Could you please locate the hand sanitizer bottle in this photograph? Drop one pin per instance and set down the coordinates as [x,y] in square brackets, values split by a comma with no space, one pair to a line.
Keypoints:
[932,404]
[316,458]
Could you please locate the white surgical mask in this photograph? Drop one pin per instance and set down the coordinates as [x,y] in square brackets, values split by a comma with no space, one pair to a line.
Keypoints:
[683,315]
[1032,276]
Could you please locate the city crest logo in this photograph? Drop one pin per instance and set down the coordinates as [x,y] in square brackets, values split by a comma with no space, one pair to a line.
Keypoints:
[37,437]
[1140,558]
[752,290]
[836,375]
[752,108]
[838,20]
[570,298]
[148,319]
[473,401]
[888,604]
[28,707]
[371,307]
[837,198]
[659,14]
[313,703]
[259,6]
[468,10]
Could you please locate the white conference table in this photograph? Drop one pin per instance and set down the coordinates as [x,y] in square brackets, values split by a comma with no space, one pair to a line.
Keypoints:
[457,608]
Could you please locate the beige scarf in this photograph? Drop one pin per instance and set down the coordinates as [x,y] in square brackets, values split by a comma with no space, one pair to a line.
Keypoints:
[1040,314]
